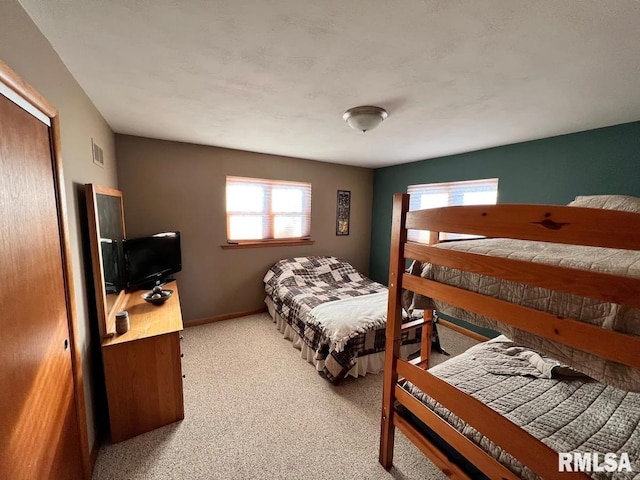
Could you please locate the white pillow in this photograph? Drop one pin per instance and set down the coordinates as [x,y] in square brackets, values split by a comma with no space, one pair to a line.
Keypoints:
[625,203]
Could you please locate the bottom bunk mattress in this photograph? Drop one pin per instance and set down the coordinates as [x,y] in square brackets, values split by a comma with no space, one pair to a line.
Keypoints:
[566,410]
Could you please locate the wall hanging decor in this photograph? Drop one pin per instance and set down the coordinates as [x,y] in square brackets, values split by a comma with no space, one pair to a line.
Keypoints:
[342,212]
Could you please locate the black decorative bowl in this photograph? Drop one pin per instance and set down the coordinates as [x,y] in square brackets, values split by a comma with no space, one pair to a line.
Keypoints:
[157,298]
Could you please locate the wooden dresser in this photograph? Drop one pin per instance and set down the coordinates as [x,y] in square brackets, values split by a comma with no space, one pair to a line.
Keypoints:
[142,368]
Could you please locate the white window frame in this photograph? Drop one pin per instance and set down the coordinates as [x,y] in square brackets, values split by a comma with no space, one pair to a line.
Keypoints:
[267,213]
[449,194]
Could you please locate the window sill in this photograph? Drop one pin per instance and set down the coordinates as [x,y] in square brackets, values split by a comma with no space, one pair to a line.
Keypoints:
[267,243]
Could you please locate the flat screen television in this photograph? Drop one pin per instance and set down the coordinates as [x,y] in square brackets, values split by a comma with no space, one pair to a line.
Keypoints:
[150,260]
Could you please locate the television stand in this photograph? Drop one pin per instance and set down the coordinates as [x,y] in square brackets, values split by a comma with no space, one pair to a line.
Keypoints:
[143,368]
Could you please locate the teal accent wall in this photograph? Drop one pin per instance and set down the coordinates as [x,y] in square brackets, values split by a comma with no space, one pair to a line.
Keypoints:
[549,171]
[470,326]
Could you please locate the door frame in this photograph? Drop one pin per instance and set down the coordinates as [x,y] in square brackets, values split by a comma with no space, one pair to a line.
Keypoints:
[13,81]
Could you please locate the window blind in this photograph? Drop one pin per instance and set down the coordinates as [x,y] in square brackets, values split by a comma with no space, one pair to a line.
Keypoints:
[434,195]
[260,209]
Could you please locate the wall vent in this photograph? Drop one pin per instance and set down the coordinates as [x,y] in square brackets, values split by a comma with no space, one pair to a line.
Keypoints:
[98,154]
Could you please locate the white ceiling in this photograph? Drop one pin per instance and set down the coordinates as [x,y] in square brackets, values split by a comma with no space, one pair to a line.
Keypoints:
[275,76]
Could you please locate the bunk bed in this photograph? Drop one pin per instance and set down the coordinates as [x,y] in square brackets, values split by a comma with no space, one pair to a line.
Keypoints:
[335,315]
[483,420]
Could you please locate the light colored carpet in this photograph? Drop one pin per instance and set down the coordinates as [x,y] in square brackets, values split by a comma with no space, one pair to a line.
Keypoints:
[255,410]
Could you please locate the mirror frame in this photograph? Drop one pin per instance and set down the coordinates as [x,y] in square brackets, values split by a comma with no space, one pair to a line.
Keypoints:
[106,315]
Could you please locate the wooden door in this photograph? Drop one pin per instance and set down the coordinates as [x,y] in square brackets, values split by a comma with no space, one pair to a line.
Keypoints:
[39,436]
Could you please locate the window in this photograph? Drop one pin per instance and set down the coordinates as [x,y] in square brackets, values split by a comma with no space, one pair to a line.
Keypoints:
[433,195]
[262,210]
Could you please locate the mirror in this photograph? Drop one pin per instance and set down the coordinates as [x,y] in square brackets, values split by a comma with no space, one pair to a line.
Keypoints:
[106,233]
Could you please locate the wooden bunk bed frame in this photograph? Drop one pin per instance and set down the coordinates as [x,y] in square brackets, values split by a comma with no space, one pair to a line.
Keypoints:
[557,224]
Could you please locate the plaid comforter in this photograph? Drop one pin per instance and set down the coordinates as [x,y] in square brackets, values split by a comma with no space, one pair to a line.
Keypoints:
[297,285]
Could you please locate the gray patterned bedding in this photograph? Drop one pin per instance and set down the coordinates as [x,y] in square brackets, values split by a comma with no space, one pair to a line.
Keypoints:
[297,285]
[567,411]
[606,315]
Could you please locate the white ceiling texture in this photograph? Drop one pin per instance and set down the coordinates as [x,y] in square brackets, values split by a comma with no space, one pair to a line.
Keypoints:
[275,76]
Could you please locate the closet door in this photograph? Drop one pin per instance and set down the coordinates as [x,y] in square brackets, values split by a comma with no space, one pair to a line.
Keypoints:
[38,426]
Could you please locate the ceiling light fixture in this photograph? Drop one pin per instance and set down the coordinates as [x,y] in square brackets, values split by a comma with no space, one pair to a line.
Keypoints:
[364,118]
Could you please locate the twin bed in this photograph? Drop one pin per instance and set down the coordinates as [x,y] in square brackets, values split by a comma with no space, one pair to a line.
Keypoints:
[563,284]
[333,314]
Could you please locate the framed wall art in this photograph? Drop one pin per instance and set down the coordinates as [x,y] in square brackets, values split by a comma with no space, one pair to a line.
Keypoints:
[342,212]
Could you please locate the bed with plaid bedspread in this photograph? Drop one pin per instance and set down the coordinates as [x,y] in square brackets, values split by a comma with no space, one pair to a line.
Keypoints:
[297,285]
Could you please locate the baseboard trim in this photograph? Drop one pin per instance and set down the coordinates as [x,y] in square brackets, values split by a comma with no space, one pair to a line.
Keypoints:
[226,316]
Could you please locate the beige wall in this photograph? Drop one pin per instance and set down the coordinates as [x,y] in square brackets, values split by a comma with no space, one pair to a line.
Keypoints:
[177,186]
[27,52]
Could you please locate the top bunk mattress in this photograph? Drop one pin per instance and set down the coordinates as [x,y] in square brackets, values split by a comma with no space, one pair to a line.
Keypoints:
[606,315]
[568,412]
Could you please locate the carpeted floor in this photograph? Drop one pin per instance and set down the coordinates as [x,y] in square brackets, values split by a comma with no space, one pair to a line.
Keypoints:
[255,410]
